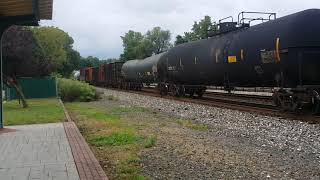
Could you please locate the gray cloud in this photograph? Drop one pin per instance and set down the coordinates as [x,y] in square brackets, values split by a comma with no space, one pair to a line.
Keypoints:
[96,25]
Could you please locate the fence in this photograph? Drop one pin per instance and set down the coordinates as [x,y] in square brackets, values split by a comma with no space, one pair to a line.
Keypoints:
[34,87]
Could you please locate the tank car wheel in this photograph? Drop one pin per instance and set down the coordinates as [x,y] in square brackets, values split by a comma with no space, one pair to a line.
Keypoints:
[191,94]
[293,105]
[200,93]
[287,102]
[315,103]
[163,89]
[163,93]
[182,91]
[176,90]
[276,99]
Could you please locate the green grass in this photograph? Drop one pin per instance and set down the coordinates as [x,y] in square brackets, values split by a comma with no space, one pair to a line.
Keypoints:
[190,124]
[119,110]
[114,133]
[93,112]
[150,142]
[39,111]
[133,159]
[115,139]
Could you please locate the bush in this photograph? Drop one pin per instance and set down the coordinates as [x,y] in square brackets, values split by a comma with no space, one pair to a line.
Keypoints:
[72,90]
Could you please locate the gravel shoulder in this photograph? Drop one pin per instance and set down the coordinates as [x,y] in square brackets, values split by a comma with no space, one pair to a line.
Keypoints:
[235,145]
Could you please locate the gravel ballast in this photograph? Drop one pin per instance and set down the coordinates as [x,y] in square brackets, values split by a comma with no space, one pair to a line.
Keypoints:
[237,144]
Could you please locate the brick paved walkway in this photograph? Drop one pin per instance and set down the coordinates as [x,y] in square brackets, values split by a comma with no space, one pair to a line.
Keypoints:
[87,165]
[36,152]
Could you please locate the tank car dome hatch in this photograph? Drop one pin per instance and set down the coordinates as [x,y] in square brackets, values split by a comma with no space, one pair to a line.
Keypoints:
[227,26]
[244,21]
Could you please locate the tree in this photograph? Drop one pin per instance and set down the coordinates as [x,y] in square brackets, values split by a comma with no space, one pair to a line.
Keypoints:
[89,61]
[53,44]
[199,30]
[144,49]
[37,51]
[131,40]
[202,28]
[138,46]
[160,39]
[180,40]
[18,56]
[72,63]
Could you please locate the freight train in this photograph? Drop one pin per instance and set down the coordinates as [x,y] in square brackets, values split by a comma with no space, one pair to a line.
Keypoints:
[282,53]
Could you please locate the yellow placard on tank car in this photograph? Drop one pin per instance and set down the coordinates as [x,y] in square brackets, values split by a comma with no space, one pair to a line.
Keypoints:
[232,59]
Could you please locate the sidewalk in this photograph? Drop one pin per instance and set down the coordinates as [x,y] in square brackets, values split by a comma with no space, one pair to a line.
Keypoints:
[36,152]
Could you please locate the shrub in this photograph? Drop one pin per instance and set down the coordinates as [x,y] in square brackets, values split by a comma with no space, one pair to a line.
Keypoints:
[72,90]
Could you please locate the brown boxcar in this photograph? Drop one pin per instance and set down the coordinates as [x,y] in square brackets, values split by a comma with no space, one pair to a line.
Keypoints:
[108,73]
[95,76]
[88,74]
[113,75]
[102,76]
[116,74]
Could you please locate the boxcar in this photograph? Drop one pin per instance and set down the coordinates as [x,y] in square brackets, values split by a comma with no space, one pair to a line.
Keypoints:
[101,75]
[95,75]
[88,74]
[113,75]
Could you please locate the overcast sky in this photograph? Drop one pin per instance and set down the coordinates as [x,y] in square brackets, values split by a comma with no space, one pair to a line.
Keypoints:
[96,25]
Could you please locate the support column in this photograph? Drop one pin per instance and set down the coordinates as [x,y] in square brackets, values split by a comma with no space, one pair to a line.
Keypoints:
[2,30]
[1,85]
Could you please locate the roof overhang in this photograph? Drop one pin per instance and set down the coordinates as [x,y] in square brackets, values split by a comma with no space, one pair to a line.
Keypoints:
[24,12]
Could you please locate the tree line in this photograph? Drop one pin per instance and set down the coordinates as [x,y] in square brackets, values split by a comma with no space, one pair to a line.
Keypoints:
[139,46]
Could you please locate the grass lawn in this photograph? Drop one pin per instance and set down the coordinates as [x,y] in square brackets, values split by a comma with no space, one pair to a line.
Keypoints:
[113,137]
[39,111]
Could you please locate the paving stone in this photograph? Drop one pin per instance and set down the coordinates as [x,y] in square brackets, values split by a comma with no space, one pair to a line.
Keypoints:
[39,152]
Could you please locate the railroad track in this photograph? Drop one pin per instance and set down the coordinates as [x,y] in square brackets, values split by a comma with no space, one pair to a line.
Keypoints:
[215,98]
[242,102]
[241,99]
